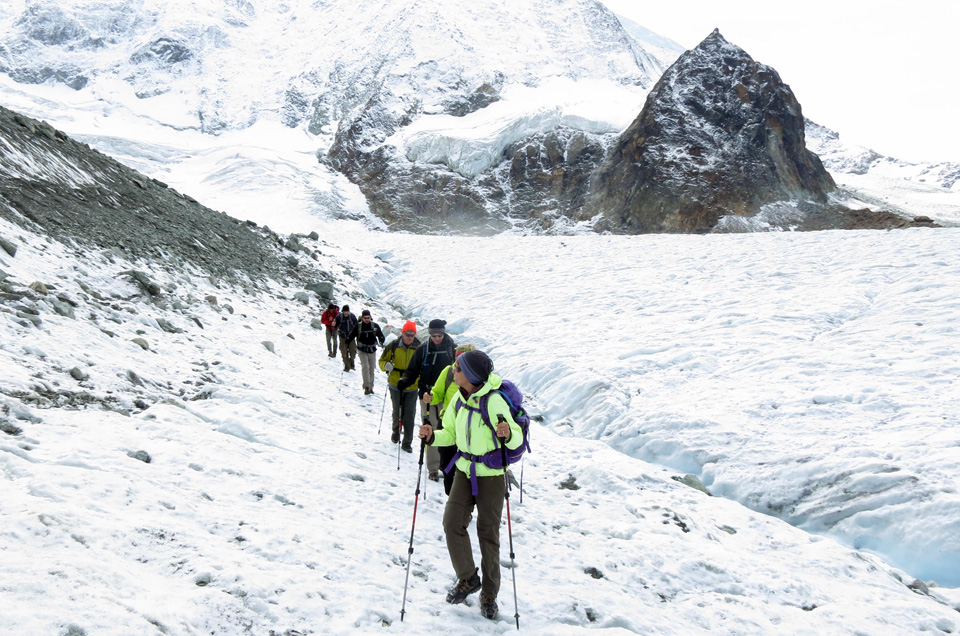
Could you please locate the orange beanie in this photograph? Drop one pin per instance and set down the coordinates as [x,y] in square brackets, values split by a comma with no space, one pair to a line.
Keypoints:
[410,326]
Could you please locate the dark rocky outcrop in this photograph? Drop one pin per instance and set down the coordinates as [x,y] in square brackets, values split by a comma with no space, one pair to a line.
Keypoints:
[719,135]
[538,180]
[423,197]
[719,146]
[74,193]
[881,220]
[548,176]
[406,195]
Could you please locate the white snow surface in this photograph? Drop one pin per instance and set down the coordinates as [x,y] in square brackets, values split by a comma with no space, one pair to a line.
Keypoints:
[814,371]
[811,376]
[807,379]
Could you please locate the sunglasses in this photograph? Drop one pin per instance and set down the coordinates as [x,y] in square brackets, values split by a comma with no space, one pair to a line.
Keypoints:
[456,367]
[409,333]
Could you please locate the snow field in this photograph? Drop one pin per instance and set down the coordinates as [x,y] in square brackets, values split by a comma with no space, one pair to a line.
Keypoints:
[271,503]
[808,376]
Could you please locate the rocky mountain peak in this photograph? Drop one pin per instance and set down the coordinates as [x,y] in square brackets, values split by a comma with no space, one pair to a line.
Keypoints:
[720,135]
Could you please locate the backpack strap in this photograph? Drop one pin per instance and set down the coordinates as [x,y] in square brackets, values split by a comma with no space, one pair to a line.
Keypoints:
[447,381]
[485,413]
[474,486]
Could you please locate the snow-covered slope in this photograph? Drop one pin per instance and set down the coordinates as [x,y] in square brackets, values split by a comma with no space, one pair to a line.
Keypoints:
[270,503]
[907,188]
[811,376]
[229,65]
[180,456]
[664,49]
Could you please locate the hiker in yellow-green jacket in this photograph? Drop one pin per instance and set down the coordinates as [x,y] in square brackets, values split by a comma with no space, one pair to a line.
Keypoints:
[394,360]
[438,397]
[475,485]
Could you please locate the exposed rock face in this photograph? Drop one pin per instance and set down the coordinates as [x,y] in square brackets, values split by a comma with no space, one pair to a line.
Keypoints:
[719,135]
[541,181]
[410,196]
[548,176]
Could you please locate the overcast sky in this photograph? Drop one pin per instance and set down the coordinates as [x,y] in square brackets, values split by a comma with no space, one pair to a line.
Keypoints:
[883,74]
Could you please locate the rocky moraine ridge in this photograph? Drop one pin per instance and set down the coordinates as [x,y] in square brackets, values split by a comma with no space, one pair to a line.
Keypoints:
[70,191]
[57,186]
[54,186]
[147,268]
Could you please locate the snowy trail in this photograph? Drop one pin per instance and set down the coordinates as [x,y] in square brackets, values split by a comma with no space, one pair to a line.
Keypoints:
[808,376]
[271,503]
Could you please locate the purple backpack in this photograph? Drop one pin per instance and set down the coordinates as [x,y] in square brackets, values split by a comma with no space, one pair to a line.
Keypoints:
[509,391]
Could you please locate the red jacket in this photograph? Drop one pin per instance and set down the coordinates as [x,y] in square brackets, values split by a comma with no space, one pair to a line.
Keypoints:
[329,317]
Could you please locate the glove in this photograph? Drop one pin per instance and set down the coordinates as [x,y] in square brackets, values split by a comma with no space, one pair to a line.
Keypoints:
[388,366]
[403,383]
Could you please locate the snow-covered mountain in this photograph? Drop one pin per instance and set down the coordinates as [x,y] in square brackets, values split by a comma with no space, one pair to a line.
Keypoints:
[351,74]
[720,137]
[315,63]
[905,187]
[480,117]
[665,49]
[179,456]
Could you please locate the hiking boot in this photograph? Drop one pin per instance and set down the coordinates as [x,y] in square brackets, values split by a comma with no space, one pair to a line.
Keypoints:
[488,607]
[395,438]
[434,475]
[464,588]
[406,448]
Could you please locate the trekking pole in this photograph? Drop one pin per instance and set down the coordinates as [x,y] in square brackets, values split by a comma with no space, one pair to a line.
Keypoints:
[506,496]
[400,429]
[403,608]
[426,420]
[340,387]
[383,408]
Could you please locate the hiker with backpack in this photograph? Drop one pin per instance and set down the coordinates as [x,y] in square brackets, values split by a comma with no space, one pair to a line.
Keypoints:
[481,424]
[425,367]
[439,397]
[368,335]
[329,321]
[394,360]
[347,329]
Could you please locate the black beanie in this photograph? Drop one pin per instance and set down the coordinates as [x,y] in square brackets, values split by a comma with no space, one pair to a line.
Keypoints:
[476,366]
[345,308]
[437,326]
[365,312]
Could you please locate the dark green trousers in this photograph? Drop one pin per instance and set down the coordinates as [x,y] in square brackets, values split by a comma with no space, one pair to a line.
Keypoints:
[456,518]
